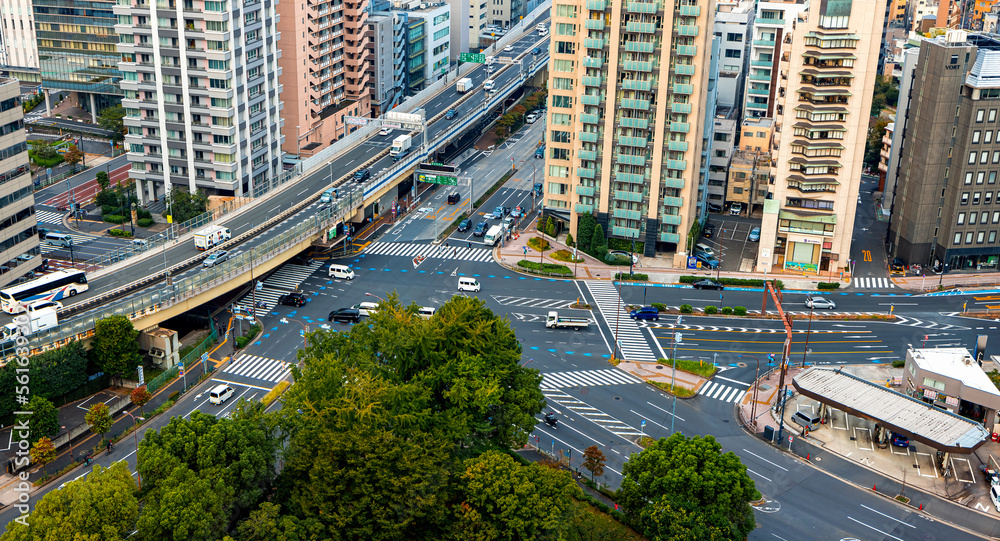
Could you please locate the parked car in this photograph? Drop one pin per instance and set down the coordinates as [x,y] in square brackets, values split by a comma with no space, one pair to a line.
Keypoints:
[345,315]
[481,228]
[518,212]
[362,175]
[499,213]
[709,230]
[531,118]
[646,312]
[707,260]
[452,113]
[464,225]
[292,299]
[139,245]
[736,209]
[712,207]
[216,258]
[508,222]
[900,440]
[898,266]
[819,302]
[754,234]
[708,284]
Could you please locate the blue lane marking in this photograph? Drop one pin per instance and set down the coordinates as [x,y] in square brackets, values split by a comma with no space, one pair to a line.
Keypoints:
[274,328]
[267,335]
[760,289]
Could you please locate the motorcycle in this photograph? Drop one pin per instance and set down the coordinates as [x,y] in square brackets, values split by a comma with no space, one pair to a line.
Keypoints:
[551,420]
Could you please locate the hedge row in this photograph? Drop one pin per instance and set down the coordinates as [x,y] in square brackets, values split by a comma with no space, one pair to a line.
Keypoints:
[828,285]
[633,277]
[749,282]
[550,268]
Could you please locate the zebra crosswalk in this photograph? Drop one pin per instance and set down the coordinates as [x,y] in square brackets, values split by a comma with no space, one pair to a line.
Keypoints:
[587,378]
[872,282]
[592,414]
[286,279]
[411,249]
[49,217]
[532,302]
[632,344]
[260,368]
[721,392]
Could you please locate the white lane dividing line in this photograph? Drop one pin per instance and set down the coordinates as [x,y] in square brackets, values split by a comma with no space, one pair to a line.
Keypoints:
[678,417]
[765,460]
[888,517]
[577,450]
[759,475]
[649,420]
[731,380]
[874,528]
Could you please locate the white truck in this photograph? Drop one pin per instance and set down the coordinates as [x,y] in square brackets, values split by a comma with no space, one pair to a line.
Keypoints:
[400,147]
[30,322]
[555,321]
[493,235]
[464,85]
[211,236]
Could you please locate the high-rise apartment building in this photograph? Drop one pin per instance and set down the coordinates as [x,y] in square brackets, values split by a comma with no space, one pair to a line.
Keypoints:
[625,122]
[826,78]
[201,89]
[18,47]
[721,153]
[77,51]
[771,26]
[324,50]
[387,69]
[733,25]
[18,234]
[946,210]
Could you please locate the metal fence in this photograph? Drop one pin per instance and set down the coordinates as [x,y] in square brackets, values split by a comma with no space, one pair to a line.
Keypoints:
[195,355]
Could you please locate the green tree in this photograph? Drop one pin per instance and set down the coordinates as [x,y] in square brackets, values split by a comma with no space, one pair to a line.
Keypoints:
[103,180]
[99,418]
[100,506]
[585,231]
[57,372]
[42,452]
[140,396]
[569,239]
[593,461]
[44,418]
[599,243]
[878,103]
[688,485]
[873,146]
[550,227]
[503,499]
[111,119]
[116,346]
[187,507]
[44,150]
[184,205]
[73,156]
[267,523]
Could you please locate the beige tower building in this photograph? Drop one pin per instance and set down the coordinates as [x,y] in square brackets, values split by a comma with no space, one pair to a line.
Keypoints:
[19,235]
[326,60]
[624,130]
[827,77]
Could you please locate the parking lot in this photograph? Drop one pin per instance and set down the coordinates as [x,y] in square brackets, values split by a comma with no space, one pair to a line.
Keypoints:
[730,241]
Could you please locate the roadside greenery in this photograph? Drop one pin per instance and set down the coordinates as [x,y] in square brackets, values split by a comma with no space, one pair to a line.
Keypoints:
[544,268]
[748,282]
[698,368]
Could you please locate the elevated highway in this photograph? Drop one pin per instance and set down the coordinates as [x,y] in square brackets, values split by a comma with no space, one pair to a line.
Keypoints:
[164,279]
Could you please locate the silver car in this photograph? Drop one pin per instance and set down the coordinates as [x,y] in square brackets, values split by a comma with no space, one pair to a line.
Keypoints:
[819,303]
[216,258]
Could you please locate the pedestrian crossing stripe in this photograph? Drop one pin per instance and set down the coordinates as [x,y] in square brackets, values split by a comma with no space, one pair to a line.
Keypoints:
[632,344]
[587,378]
[49,217]
[285,280]
[590,413]
[872,282]
[721,392]
[530,301]
[261,368]
[409,249]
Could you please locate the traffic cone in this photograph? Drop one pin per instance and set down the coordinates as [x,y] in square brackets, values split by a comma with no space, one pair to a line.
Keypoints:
[921,508]
[807,456]
[873,488]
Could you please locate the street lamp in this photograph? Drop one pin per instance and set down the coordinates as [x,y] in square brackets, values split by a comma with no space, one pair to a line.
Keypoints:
[367,294]
[135,436]
[943,270]
[70,437]
[753,407]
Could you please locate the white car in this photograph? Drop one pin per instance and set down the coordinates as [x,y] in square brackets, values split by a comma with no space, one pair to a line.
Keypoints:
[489,216]
[385,130]
[508,48]
[820,302]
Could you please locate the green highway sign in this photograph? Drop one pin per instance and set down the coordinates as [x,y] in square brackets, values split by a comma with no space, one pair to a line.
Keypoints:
[438,179]
[472,57]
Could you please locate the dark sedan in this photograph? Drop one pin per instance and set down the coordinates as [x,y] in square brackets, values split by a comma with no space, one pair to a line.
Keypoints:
[345,315]
[292,299]
[464,225]
[709,230]
[481,228]
[707,284]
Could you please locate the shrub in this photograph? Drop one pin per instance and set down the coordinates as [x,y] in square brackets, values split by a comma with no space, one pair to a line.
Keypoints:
[740,311]
[173,396]
[569,239]
[113,218]
[633,277]
[565,255]
[686,309]
[108,209]
[120,233]
[660,307]
[143,213]
[241,341]
[898,363]
[538,243]
[253,332]
[727,311]
[748,282]
[616,259]
[274,393]
[144,222]
[548,268]
[711,310]
[828,285]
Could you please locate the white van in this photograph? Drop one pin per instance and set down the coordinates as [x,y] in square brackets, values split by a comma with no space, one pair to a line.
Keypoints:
[705,249]
[58,239]
[531,118]
[220,394]
[366,308]
[341,272]
[426,312]
[488,85]
[468,284]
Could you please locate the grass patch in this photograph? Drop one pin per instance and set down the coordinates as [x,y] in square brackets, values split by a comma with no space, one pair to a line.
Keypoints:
[700,368]
[565,255]
[898,363]
[45,162]
[678,391]
[544,268]
[539,244]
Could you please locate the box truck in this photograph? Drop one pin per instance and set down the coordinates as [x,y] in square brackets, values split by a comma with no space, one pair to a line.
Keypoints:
[211,236]
[493,235]
[31,322]
[464,85]
[400,147]
[555,321]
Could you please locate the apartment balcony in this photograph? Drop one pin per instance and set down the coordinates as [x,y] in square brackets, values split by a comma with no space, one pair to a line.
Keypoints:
[684,69]
[636,123]
[675,164]
[593,43]
[631,141]
[683,89]
[587,99]
[642,105]
[630,178]
[637,65]
[587,155]
[765,77]
[687,50]
[627,214]
[643,7]
[597,5]
[763,43]
[687,30]
[594,24]
[589,62]
[768,64]
[768,22]
[634,197]
[582,208]
[638,47]
[588,80]
[672,183]
[670,237]
[586,172]
[633,84]
[628,159]
[585,190]
[590,119]
[759,91]
[755,105]
[626,232]
[690,11]
[672,219]
[673,201]
[677,146]
[589,137]
[641,28]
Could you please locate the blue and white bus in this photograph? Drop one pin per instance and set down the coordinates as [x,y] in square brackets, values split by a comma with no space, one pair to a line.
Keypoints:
[51,287]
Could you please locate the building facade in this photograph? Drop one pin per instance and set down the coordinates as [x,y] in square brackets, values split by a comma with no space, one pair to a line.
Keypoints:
[18,45]
[202,108]
[18,234]
[828,74]
[324,49]
[772,27]
[733,26]
[428,43]
[749,179]
[945,212]
[387,70]
[723,139]
[625,122]
[952,380]
[77,51]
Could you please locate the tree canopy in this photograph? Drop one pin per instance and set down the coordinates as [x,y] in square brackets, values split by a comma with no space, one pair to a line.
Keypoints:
[112,119]
[116,348]
[686,488]
[184,205]
[44,418]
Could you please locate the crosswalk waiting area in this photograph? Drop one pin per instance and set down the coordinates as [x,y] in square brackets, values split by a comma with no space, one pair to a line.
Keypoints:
[721,392]
[49,217]
[411,249]
[260,368]
[872,282]
[285,280]
[631,340]
[587,378]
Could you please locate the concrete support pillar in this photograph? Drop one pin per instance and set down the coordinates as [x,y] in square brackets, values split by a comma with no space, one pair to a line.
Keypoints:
[139,193]
[151,190]
[93,109]
[48,108]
